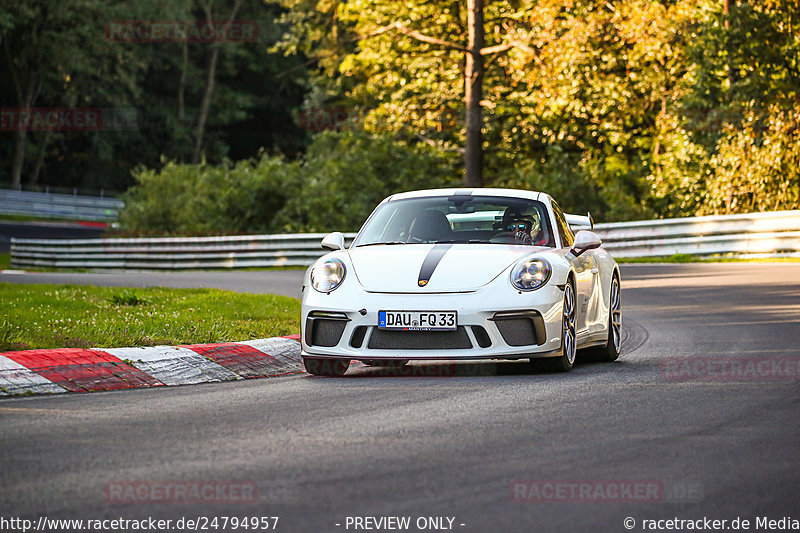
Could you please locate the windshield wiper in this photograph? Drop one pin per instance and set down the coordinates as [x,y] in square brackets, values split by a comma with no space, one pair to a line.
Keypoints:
[379,243]
[480,241]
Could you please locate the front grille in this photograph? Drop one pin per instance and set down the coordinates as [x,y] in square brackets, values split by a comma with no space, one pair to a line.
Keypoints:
[382,339]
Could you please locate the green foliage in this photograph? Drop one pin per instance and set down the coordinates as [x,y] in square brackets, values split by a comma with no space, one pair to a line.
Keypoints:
[208,199]
[333,187]
[571,100]
[730,144]
[631,108]
[345,174]
[756,166]
[58,54]
[559,174]
[628,108]
[127,297]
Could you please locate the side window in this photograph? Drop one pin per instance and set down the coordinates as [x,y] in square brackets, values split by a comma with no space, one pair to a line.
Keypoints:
[564,231]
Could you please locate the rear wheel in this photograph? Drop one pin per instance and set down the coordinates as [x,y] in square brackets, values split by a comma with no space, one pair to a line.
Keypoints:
[325,367]
[565,361]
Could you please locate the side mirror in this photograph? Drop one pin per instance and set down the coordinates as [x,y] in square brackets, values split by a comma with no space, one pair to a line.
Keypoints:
[333,241]
[585,240]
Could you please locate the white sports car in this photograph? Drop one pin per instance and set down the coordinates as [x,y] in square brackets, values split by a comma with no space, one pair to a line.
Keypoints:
[462,274]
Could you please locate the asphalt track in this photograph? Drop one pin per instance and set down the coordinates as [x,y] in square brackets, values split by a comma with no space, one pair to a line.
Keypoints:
[286,282]
[454,440]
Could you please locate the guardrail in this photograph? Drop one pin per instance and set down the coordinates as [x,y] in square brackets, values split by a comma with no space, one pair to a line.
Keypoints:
[247,251]
[60,206]
[758,235]
[755,234]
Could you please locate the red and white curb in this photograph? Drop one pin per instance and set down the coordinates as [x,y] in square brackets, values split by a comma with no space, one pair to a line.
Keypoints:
[84,370]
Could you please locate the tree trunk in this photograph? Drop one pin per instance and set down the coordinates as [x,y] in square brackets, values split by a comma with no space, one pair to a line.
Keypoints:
[473,80]
[205,105]
[19,157]
[726,8]
[211,79]
[37,167]
[182,82]
[25,99]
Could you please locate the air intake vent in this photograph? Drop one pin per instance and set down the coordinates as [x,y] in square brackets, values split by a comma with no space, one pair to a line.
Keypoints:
[358,337]
[524,328]
[325,328]
[481,336]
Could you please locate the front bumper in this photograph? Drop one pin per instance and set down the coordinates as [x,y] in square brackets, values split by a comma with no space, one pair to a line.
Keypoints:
[493,324]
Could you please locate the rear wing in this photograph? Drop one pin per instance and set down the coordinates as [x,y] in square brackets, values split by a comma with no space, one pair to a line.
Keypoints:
[577,222]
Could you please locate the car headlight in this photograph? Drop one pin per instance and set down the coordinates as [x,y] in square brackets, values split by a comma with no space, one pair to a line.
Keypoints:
[328,275]
[530,274]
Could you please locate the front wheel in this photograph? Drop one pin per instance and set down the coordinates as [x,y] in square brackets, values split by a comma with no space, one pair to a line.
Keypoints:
[566,360]
[325,367]
[611,350]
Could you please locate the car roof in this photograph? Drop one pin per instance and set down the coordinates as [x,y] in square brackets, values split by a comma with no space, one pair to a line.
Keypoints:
[514,193]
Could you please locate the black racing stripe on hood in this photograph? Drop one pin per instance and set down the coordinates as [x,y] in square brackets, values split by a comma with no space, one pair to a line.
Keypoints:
[431,262]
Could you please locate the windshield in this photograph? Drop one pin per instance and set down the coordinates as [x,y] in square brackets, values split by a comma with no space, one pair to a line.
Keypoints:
[458,219]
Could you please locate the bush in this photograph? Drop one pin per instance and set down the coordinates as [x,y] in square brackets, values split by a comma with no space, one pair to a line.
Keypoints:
[206,199]
[346,174]
[334,187]
[757,166]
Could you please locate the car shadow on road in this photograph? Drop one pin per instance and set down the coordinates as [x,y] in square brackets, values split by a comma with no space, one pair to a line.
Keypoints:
[453,369]
[634,337]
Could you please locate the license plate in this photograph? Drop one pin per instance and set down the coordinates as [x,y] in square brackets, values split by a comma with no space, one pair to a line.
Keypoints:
[418,320]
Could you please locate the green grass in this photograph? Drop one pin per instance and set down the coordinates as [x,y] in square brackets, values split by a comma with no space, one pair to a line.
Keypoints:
[5,261]
[686,258]
[68,316]
[31,218]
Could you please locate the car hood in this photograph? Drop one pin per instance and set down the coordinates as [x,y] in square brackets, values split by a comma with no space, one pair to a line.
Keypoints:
[461,268]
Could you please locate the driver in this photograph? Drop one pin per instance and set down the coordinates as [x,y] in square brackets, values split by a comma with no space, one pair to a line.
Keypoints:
[518,224]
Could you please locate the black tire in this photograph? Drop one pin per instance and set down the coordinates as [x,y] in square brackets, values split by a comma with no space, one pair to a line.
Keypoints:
[325,367]
[610,352]
[566,360]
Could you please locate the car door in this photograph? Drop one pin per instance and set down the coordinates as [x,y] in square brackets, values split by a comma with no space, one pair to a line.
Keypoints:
[586,274]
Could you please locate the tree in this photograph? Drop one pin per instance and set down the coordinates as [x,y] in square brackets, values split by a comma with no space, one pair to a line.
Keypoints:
[211,74]
[343,176]
[191,99]
[734,133]
[46,47]
[434,28]
[564,82]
